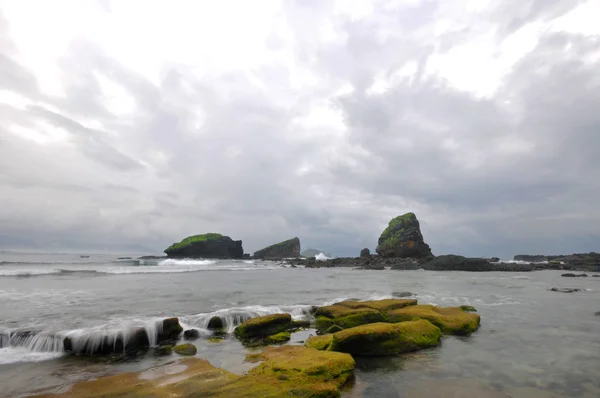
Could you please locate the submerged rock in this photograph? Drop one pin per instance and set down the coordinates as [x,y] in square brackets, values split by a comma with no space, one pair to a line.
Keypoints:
[570,275]
[185,349]
[380,338]
[286,249]
[451,320]
[468,308]
[191,334]
[263,326]
[163,350]
[565,289]
[211,245]
[403,238]
[402,294]
[215,324]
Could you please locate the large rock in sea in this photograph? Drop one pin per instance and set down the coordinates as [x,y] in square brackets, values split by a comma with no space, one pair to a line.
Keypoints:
[286,249]
[403,238]
[211,245]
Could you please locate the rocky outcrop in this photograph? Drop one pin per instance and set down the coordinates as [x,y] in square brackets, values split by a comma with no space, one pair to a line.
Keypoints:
[211,245]
[403,238]
[185,349]
[286,249]
[451,320]
[451,262]
[530,258]
[364,253]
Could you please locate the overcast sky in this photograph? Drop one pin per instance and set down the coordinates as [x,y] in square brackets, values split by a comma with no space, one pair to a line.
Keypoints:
[141,122]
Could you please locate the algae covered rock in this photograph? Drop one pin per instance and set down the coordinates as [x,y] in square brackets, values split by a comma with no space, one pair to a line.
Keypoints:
[451,320]
[263,326]
[319,342]
[468,308]
[403,238]
[211,245]
[163,350]
[278,338]
[386,338]
[286,249]
[185,349]
[348,314]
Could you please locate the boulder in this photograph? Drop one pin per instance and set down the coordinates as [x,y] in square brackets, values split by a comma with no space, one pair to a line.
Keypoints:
[171,329]
[211,245]
[263,326]
[380,338]
[403,238]
[451,320]
[365,253]
[185,349]
[348,314]
[286,249]
[215,324]
[191,334]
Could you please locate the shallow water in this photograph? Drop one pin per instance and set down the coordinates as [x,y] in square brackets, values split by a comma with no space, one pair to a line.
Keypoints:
[532,342]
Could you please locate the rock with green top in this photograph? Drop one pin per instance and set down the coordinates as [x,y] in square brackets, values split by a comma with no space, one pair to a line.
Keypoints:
[185,349]
[279,338]
[286,249]
[385,338]
[451,320]
[211,245]
[263,326]
[403,238]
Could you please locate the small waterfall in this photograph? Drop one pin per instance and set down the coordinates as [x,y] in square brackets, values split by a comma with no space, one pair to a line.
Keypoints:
[232,317]
[4,338]
[40,341]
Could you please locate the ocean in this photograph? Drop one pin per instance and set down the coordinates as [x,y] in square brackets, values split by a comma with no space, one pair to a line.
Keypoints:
[533,342]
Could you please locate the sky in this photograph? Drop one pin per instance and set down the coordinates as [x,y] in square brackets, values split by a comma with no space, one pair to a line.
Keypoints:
[140,122]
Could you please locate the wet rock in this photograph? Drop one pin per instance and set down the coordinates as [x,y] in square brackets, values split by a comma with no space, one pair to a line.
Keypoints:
[185,349]
[215,323]
[403,238]
[163,350]
[565,290]
[451,320]
[365,253]
[334,328]
[386,338]
[278,338]
[191,334]
[402,294]
[597,313]
[171,329]
[468,308]
[570,275]
[263,326]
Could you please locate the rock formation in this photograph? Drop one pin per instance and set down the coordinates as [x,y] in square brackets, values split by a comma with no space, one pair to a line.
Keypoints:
[365,253]
[209,245]
[403,238]
[286,249]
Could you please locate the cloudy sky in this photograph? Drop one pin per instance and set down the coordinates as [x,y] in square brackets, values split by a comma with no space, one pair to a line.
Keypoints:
[141,122]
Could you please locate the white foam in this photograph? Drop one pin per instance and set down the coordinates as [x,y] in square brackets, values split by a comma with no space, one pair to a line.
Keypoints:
[321,257]
[10,355]
[174,262]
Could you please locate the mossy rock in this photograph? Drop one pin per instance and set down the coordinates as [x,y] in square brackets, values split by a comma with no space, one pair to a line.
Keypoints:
[194,239]
[334,328]
[379,305]
[278,338]
[468,308]
[285,371]
[185,349]
[215,323]
[163,350]
[451,320]
[171,328]
[386,338]
[319,342]
[216,339]
[365,316]
[263,326]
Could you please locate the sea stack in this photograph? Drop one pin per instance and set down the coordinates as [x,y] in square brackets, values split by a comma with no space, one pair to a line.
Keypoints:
[287,249]
[403,238]
[211,245]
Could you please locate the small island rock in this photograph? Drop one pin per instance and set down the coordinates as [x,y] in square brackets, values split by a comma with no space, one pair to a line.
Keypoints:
[286,249]
[403,238]
[211,245]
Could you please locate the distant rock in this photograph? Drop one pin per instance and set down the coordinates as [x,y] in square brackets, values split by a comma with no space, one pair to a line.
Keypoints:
[402,294]
[569,275]
[403,238]
[451,262]
[211,245]
[314,253]
[494,259]
[565,290]
[152,257]
[286,249]
[365,253]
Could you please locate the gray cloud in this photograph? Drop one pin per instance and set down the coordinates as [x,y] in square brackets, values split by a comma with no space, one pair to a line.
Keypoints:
[487,176]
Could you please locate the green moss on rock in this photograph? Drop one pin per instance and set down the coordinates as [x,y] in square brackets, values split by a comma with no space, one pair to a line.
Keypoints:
[194,239]
[263,326]
[319,342]
[386,338]
[451,320]
[185,349]
[334,328]
[468,308]
[278,338]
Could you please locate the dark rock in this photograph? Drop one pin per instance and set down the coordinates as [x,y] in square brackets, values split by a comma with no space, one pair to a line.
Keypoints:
[453,262]
[123,258]
[530,258]
[403,238]
[215,323]
[191,334]
[263,326]
[286,249]
[597,313]
[596,276]
[171,329]
[565,290]
[209,245]
[569,275]
[365,253]
[494,259]
[402,294]
[152,257]
[163,350]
